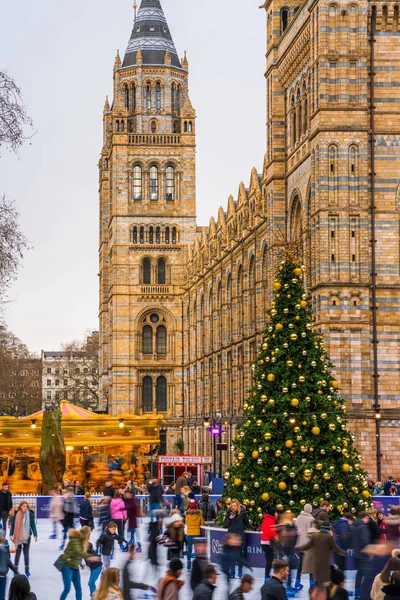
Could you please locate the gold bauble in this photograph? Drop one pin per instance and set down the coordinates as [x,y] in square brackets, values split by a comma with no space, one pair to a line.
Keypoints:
[227,475]
[302,502]
[307,472]
[294,402]
[345,468]
[266,448]
[365,494]
[279,327]
[274,421]
[255,454]
[279,506]
[278,453]
[271,401]
[315,430]
[302,379]
[264,398]
[265,497]
[332,426]
[319,466]
[271,377]
[267,435]
[340,486]
[326,476]
[237,481]
[282,486]
[291,452]
[303,304]
[355,490]
[255,441]
[241,455]
[304,423]
[258,422]
[293,337]
[277,286]
[289,363]
[252,476]
[296,429]
[335,384]
[288,443]
[298,272]
[306,478]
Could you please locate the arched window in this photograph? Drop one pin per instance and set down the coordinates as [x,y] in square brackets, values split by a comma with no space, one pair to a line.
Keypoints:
[148,96]
[177,127]
[134,235]
[190,129]
[239,300]
[173,93]
[122,125]
[296,219]
[167,235]
[284,19]
[185,128]
[158,95]
[153,127]
[252,294]
[174,235]
[126,89]
[147,394]
[153,183]
[158,235]
[147,340]
[161,394]
[137,183]
[146,265]
[229,308]
[161,337]
[170,183]
[161,272]
[151,235]
[178,98]
[133,97]
[141,240]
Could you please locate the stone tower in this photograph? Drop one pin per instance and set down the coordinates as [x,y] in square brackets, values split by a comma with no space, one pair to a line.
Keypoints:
[147,222]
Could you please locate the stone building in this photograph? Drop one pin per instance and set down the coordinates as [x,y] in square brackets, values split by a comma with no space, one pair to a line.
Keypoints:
[329,178]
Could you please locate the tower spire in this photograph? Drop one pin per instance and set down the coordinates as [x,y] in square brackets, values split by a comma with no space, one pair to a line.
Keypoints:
[151,33]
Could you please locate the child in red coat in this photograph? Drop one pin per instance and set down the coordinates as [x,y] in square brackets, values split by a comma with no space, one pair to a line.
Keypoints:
[268,536]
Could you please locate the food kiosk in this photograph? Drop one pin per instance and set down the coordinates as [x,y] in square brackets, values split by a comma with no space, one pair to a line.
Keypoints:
[171,467]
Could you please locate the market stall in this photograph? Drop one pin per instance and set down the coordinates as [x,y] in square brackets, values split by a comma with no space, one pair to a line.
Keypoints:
[171,467]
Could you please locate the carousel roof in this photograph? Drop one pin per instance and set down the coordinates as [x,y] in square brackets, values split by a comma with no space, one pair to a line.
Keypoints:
[69,411]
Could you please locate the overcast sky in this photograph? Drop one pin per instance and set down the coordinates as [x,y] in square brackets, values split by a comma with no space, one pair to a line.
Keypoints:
[61,54]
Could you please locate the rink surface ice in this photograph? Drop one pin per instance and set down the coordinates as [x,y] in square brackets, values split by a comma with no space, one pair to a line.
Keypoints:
[46,581]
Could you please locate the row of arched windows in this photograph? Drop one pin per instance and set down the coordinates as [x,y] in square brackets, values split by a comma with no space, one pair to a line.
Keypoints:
[299,113]
[147,394]
[154,235]
[154,183]
[152,96]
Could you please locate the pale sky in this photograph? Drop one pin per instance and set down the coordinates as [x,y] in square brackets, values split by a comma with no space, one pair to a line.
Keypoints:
[61,53]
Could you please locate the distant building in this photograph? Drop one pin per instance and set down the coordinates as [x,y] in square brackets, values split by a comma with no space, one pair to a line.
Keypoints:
[71,375]
[21,389]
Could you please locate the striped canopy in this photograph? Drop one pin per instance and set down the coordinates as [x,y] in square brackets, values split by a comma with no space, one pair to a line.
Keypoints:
[69,411]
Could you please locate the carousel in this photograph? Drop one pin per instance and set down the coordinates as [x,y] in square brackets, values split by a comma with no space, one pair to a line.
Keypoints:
[95,445]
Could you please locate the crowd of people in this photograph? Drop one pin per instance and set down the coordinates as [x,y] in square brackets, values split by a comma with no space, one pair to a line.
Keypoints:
[309,544]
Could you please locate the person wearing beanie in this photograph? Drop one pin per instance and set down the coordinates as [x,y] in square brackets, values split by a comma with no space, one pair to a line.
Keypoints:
[200,562]
[194,521]
[268,538]
[170,585]
[304,522]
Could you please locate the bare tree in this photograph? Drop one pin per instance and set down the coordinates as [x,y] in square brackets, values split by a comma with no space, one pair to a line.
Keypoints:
[13,115]
[12,243]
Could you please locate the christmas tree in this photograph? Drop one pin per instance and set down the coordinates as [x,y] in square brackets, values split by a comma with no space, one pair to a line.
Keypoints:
[293,445]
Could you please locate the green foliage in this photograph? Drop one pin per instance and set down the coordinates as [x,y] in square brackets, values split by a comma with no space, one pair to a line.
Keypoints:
[293,445]
[180,446]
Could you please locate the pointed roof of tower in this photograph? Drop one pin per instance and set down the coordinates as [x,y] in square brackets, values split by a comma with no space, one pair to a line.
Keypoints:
[151,33]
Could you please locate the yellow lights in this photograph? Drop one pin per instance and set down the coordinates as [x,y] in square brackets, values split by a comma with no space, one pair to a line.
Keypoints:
[33,423]
[121,423]
[69,448]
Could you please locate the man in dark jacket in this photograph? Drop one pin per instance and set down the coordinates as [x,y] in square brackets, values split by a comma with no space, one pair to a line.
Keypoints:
[5,564]
[246,585]
[205,590]
[207,509]
[156,491]
[199,563]
[342,529]
[127,583]
[321,514]
[109,489]
[273,589]
[360,537]
[5,504]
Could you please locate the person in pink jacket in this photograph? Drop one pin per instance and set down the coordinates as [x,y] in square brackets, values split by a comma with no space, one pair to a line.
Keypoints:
[118,513]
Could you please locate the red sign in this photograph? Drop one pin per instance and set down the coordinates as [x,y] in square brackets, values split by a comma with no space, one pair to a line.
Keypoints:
[185,460]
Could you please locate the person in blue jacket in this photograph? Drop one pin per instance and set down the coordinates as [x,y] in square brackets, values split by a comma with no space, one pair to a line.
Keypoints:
[86,512]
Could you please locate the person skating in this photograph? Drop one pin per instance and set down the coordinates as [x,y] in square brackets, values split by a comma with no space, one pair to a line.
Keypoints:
[132,511]
[127,583]
[170,585]
[207,509]
[73,555]
[205,589]
[180,483]
[321,514]
[287,533]
[304,522]
[86,512]
[342,528]
[95,567]
[6,504]
[194,521]
[56,511]
[175,535]
[231,556]
[155,491]
[246,585]
[5,564]
[392,589]
[109,586]
[106,542]
[104,512]
[23,526]
[118,513]
[273,589]
[109,489]
[323,544]
[360,537]
[383,578]
[70,508]
[200,562]
[20,589]
[237,521]
[268,538]
[78,489]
